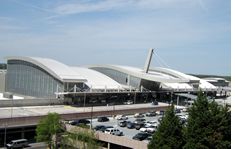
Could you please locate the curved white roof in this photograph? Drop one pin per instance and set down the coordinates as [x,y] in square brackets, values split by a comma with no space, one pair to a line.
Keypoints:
[170,72]
[168,77]
[203,83]
[97,80]
[59,70]
[137,72]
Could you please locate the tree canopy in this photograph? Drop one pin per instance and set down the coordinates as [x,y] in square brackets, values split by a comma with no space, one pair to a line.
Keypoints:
[209,125]
[169,133]
[47,127]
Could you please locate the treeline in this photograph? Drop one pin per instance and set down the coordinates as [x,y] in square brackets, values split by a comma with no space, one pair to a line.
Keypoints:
[208,127]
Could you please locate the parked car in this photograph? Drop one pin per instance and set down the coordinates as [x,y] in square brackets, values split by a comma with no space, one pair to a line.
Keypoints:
[130,125]
[151,123]
[121,117]
[138,115]
[183,118]
[160,112]
[150,114]
[141,136]
[160,119]
[104,128]
[139,125]
[20,143]
[128,102]
[103,119]
[122,123]
[177,111]
[149,129]
[154,103]
[139,120]
[114,131]
[79,122]
[98,127]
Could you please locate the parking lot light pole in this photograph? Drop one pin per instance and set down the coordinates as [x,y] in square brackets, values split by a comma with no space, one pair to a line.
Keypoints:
[91,115]
[5,135]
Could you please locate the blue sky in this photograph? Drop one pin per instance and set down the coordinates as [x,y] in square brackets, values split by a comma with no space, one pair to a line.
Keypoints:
[192,36]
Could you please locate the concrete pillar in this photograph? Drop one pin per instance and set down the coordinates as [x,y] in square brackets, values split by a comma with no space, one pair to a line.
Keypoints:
[108,145]
[22,133]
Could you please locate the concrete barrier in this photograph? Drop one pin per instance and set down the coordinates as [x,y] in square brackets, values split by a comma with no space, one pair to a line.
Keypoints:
[119,140]
[33,120]
[29,102]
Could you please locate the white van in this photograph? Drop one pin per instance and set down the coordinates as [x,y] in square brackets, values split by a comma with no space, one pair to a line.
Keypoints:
[114,131]
[18,143]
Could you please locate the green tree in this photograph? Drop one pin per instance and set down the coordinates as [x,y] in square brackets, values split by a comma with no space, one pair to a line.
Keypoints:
[169,133]
[80,137]
[48,127]
[209,125]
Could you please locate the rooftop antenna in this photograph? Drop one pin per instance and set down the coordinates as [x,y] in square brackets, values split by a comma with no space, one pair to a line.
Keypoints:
[148,60]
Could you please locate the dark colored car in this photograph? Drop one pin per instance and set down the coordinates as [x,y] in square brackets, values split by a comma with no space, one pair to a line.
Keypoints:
[98,127]
[139,125]
[80,121]
[141,136]
[177,111]
[105,127]
[160,119]
[154,103]
[162,112]
[139,120]
[103,119]
[122,123]
[130,125]
[183,120]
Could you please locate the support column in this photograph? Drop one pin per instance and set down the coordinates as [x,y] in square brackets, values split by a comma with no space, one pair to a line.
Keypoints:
[135,98]
[84,104]
[22,133]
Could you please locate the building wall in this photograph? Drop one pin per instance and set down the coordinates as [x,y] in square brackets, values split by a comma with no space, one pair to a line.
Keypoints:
[28,79]
[2,80]
[120,77]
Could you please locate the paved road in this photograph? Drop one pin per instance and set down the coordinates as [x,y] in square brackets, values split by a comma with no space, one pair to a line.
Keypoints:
[8,112]
[37,146]
[34,146]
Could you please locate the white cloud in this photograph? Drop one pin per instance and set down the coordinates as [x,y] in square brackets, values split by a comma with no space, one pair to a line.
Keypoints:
[106,5]
[74,8]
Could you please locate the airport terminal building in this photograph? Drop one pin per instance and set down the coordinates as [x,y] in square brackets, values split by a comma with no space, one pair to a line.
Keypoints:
[47,78]
[43,77]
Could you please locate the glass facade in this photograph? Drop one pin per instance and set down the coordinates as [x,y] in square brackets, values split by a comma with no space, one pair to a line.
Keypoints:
[29,79]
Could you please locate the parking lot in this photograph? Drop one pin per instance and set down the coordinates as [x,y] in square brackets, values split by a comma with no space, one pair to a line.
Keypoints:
[129,133]
[126,132]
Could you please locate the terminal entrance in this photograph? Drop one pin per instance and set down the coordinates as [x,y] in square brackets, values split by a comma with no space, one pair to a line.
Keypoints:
[103,99]
[117,98]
